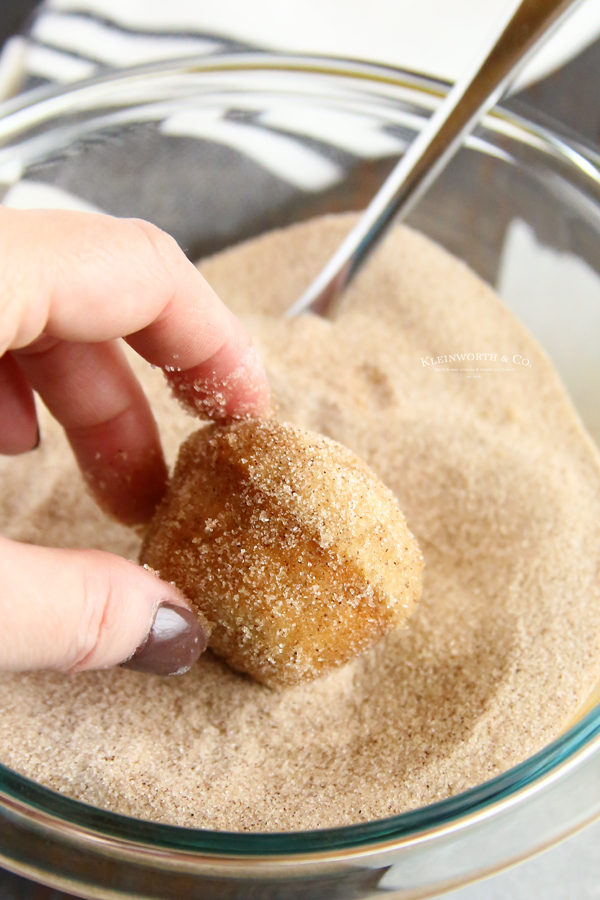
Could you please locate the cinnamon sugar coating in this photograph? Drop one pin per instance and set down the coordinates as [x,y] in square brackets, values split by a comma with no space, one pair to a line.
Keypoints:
[288,544]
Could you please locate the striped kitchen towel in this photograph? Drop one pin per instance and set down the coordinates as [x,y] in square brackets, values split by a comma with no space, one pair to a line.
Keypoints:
[67,40]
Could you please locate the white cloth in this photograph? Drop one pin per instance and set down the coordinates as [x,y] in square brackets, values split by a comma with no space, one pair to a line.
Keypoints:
[73,39]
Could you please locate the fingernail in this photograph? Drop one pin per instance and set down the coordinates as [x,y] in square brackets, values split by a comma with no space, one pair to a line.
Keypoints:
[174,643]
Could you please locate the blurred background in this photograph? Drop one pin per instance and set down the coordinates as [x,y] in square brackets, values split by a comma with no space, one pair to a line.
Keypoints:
[66,40]
[63,41]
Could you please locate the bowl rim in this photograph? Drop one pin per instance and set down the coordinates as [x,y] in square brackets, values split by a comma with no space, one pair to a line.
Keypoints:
[52,810]
[130,837]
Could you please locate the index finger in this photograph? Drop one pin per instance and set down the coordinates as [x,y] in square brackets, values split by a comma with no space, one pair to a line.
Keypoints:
[94,278]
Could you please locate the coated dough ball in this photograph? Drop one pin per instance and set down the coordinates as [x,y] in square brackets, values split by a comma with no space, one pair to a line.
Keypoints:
[289,545]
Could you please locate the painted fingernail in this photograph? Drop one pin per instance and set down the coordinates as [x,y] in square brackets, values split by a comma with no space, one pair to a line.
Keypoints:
[174,642]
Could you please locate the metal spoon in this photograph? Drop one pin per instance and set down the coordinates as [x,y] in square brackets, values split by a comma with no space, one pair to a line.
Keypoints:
[430,152]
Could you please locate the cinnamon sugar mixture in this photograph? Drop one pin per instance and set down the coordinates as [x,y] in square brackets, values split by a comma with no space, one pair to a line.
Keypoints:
[498,483]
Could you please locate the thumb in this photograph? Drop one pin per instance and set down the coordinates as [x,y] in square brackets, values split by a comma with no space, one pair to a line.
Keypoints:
[72,610]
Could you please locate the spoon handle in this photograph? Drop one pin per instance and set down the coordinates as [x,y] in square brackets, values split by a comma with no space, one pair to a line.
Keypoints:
[465,104]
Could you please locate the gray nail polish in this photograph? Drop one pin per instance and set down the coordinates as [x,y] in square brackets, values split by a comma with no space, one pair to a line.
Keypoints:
[174,642]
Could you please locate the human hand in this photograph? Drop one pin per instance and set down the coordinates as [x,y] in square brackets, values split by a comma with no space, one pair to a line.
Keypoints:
[72,283]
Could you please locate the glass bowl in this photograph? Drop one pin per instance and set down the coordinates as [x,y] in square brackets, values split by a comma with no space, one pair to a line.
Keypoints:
[216,151]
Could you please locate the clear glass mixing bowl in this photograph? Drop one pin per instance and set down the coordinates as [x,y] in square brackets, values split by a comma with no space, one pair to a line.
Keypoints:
[221,149]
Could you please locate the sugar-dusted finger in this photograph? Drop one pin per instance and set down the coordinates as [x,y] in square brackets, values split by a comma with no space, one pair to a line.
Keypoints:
[85,277]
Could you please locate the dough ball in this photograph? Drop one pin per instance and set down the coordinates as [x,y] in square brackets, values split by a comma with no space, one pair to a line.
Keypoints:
[288,544]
